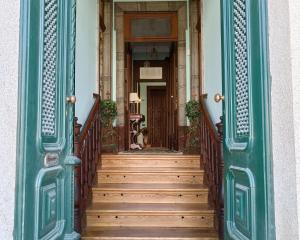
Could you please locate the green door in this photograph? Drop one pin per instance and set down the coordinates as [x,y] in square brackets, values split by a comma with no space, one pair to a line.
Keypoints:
[45,186]
[248,185]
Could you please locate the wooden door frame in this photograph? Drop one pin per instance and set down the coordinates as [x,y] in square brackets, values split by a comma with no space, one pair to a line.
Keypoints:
[171,80]
[149,88]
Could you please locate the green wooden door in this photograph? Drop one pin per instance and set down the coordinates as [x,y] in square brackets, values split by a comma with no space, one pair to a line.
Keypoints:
[45,186]
[248,186]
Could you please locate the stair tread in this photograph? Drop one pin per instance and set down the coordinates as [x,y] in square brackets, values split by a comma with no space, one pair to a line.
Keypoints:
[150,207]
[151,233]
[150,170]
[150,186]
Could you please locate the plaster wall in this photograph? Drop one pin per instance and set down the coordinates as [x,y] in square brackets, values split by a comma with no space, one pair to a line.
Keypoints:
[9,57]
[211,45]
[295,64]
[284,47]
[87,46]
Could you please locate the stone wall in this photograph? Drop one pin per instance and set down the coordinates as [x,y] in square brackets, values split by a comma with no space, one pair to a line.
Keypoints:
[105,81]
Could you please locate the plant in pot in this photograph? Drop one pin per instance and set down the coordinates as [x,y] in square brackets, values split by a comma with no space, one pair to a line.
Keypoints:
[192,112]
[108,114]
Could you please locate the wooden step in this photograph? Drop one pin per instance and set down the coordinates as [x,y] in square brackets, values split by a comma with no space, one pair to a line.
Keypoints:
[149,233]
[145,161]
[150,193]
[151,175]
[150,215]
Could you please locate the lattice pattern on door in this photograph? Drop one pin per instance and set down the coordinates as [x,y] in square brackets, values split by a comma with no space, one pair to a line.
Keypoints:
[241,67]
[49,87]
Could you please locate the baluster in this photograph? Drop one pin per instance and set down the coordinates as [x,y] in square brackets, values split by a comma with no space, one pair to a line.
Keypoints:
[86,147]
[77,177]
[221,179]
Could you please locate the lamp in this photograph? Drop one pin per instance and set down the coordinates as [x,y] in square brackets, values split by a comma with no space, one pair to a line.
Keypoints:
[134,99]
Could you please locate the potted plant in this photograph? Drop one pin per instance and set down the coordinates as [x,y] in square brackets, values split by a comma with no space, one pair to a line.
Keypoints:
[108,114]
[192,112]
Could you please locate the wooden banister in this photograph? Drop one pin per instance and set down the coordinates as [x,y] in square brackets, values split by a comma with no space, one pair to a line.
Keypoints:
[211,151]
[87,147]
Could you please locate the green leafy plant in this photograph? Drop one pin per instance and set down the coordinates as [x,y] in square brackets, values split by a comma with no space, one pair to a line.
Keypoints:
[192,112]
[108,113]
[108,109]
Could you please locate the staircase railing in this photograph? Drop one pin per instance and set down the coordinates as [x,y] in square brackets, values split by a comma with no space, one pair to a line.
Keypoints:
[87,147]
[211,151]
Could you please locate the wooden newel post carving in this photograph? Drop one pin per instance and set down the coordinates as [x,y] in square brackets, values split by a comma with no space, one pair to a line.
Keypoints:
[77,213]
[220,126]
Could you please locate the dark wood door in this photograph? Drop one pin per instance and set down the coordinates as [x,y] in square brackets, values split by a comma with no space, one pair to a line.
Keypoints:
[157,116]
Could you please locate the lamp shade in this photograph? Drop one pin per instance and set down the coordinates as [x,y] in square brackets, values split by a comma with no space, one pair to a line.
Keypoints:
[134,98]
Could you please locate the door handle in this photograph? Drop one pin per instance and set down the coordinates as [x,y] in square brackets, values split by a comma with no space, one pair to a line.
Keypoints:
[218,97]
[71,99]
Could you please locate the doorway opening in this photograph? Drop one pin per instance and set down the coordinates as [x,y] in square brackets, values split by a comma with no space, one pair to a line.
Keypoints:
[151,73]
[150,80]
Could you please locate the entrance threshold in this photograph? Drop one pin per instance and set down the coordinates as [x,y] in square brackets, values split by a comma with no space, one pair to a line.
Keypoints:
[153,150]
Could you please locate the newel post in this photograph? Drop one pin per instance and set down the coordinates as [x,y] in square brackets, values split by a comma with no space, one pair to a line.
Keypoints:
[220,126]
[77,211]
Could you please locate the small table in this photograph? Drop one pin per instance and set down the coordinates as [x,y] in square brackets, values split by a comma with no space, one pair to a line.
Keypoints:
[135,121]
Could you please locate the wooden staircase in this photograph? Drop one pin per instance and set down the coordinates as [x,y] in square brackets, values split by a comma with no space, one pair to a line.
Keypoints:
[147,197]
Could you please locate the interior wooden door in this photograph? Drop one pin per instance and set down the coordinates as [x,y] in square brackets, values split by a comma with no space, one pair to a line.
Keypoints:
[157,116]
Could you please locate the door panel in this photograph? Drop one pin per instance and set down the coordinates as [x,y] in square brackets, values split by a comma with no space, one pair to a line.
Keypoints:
[157,116]
[45,189]
[248,191]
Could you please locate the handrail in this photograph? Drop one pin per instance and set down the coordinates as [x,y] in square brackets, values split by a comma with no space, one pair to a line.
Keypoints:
[87,147]
[211,151]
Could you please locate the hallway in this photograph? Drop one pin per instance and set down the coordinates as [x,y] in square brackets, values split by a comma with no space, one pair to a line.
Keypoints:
[149,197]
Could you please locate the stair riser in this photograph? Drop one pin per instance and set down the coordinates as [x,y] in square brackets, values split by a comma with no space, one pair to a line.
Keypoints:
[132,220]
[150,197]
[144,163]
[150,178]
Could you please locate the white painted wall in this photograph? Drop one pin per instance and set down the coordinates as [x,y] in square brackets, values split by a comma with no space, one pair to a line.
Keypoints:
[295,64]
[284,42]
[9,57]
[143,96]
[87,41]
[211,45]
